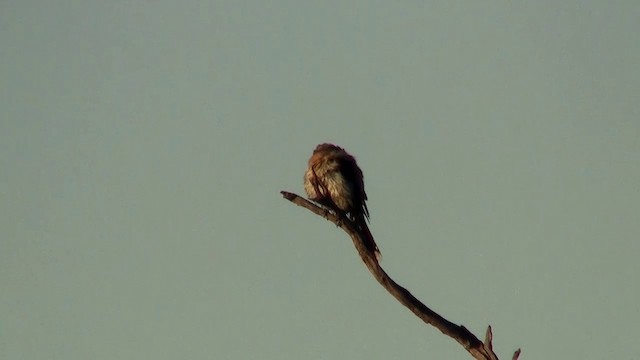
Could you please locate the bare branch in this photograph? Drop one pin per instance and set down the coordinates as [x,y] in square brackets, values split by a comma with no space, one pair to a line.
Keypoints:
[477,349]
[516,355]
[488,338]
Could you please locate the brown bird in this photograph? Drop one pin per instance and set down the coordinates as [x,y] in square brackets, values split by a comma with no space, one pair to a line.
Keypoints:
[334,179]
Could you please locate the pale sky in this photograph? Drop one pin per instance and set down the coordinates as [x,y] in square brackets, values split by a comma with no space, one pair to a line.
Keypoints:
[143,145]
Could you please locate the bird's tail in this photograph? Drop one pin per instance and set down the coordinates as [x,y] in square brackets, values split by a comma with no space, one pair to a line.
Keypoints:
[369,242]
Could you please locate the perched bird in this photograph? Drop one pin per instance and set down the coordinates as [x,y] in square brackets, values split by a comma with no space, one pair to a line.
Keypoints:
[334,179]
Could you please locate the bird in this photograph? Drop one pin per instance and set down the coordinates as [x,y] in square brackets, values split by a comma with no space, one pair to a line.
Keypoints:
[334,179]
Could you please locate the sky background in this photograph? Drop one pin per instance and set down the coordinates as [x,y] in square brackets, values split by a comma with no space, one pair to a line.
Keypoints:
[143,145]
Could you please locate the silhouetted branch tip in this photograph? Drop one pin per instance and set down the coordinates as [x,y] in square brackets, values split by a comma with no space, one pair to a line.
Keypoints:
[516,355]
[287,195]
[488,338]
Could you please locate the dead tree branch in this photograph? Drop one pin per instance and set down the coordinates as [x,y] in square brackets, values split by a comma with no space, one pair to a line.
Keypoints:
[477,349]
